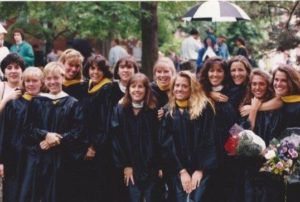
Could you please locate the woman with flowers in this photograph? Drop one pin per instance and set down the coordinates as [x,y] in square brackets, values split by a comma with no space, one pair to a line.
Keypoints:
[187,138]
[214,78]
[286,83]
[267,125]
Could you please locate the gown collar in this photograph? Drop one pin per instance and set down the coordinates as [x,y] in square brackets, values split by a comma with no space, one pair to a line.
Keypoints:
[95,88]
[291,98]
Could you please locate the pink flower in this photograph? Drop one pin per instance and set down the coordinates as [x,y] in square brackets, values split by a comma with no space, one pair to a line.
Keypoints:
[279,165]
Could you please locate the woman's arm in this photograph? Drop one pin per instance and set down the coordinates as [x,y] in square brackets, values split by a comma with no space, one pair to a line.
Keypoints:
[255,105]
[274,103]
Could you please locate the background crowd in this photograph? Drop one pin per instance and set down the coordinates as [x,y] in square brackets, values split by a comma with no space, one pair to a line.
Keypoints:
[92,129]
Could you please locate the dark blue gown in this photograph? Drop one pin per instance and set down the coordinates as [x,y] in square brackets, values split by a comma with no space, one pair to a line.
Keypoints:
[135,144]
[188,144]
[63,116]
[13,152]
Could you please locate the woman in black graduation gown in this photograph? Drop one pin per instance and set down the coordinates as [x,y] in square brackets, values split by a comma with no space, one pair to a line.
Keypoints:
[267,125]
[13,152]
[214,78]
[124,69]
[187,138]
[164,72]
[96,112]
[73,82]
[53,126]
[286,83]
[73,85]
[135,133]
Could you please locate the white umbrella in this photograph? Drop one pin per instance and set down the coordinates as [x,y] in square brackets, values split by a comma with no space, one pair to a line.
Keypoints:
[216,11]
[2,29]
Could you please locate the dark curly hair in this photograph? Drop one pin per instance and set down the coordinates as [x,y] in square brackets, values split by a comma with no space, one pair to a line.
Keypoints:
[208,64]
[12,58]
[99,61]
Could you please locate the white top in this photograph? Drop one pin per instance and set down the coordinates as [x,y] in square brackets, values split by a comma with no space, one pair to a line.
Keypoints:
[115,53]
[190,48]
[5,90]
[3,52]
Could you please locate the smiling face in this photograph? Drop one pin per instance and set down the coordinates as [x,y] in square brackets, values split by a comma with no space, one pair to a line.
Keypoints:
[125,71]
[163,75]
[53,82]
[238,73]
[32,85]
[72,69]
[137,91]
[96,74]
[259,86]
[13,73]
[182,88]
[280,84]
[216,75]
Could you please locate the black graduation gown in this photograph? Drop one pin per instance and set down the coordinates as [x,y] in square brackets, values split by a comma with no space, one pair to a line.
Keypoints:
[12,151]
[76,90]
[236,94]
[135,143]
[63,116]
[221,180]
[291,117]
[161,96]
[96,112]
[257,186]
[188,143]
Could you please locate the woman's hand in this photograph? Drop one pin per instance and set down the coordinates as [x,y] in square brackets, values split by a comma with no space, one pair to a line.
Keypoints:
[160,173]
[245,110]
[128,175]
[15,94]
[185,179]
[255,103]
[44,145]
[160,113]
[53,139]
[196,179]
[90,154]
[1,170]
[218,97]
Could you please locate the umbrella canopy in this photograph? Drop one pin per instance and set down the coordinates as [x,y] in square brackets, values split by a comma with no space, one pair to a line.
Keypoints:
[2,29]
[216,11]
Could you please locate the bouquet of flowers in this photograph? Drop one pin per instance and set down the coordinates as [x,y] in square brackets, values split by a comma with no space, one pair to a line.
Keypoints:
[244,143]
[282,157]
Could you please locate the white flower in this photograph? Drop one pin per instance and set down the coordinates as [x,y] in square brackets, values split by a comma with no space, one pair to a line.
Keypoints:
[255,138]
[270,154]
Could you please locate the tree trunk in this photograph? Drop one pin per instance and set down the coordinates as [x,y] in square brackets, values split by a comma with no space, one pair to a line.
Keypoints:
[149,36]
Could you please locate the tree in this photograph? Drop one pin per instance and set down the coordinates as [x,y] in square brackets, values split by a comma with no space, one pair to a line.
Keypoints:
[149,26]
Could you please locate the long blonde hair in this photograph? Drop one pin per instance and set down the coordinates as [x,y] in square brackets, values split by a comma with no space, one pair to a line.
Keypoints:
[197,101]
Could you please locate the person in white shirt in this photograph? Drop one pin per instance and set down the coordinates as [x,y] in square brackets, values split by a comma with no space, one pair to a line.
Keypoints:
[3,49]
[190,47]
[116,52]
